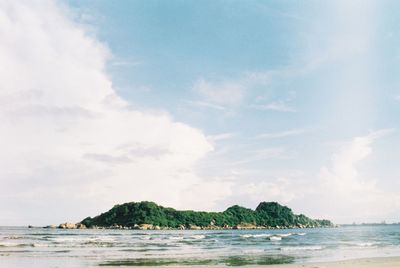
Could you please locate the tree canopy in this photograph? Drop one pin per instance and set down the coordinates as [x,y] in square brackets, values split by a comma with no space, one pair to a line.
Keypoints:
[267,214]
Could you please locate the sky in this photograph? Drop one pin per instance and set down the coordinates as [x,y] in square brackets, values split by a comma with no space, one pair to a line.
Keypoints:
[199,105]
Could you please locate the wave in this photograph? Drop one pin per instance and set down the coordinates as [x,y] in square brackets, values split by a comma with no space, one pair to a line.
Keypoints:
[363,244]
[16,245]
[255,235]
[368,244]
[302,248]
[275,238]
[62,240]
[262,235]
[197,236]
[98,243]
[175,238]
[14,237]
[188,237]
[284,235]
[143,249]
[67,239]
[246,235]
[7,252]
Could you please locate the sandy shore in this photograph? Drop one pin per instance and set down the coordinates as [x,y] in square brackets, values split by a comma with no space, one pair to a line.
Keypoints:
[385,262]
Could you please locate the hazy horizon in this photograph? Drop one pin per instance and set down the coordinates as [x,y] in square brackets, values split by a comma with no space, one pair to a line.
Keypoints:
[199,105]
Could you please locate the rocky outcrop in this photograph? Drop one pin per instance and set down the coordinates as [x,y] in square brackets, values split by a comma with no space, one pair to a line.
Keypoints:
[146,227]
[245,226]
[80,226]
[68,225]
[193,227]
[150,216]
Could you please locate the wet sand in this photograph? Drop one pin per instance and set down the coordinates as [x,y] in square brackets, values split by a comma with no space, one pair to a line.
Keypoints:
[384,262]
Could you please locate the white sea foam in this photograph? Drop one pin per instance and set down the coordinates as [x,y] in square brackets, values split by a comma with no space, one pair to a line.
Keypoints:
[255,235]
[10,244]
[103,238]
[310,248]
[14,237]
[197,237]
[275,238]
[362,244]
[253,251]
[175,237]
[262,235]
[40,245]
[246,235]
[69,239]
[367,244]
[80,239]
[301,234]
[284,235]
[351,244]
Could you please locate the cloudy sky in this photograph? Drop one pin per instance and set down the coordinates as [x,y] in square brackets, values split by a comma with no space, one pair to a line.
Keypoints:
[199,105]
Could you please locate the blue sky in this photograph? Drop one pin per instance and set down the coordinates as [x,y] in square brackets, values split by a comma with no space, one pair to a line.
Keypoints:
[293,101]
[314,93]
[161,49]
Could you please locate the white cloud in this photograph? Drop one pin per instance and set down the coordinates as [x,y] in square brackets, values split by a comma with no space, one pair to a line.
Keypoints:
[282,134]
[206,105]
[343,175]
[342,191]
[278,106]
[348,196]
[278,190]
[228,93]
[116,62]
[70,145]
[277,152]
[220,137]
[350,38]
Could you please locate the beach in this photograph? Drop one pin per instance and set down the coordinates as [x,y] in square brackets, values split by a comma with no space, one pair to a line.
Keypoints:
[379,262]
[382,262]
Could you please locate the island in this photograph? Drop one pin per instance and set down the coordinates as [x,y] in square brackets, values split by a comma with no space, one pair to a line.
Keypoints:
[151,216]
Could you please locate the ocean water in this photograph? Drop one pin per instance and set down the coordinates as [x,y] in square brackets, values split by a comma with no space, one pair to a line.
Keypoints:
[37,247]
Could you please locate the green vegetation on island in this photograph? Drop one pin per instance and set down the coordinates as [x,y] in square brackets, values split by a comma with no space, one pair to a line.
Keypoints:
[149,215]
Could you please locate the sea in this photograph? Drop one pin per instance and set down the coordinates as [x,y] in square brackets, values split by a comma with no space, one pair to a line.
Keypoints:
[56,248]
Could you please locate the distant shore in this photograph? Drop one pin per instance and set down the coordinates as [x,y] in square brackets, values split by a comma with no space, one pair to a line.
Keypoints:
[379,262]
[147,215]
[147,227]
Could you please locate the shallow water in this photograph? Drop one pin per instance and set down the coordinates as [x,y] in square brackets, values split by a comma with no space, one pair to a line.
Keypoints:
[37,247]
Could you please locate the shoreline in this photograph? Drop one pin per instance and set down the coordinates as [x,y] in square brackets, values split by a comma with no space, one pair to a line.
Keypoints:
[150,227]
[367,262]
[374,262]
